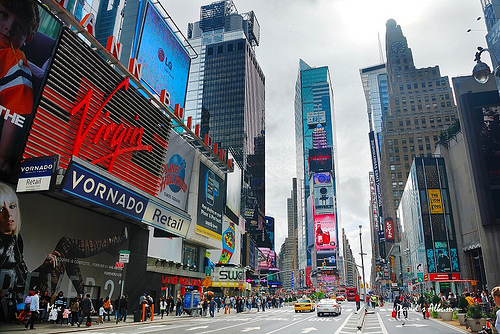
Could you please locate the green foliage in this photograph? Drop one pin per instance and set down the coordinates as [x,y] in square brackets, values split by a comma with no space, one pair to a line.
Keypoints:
[475,311]
[493,314]
[434,314]
[435,300]
[463,304]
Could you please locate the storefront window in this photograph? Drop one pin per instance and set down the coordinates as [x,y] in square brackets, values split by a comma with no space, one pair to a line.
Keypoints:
[190,255]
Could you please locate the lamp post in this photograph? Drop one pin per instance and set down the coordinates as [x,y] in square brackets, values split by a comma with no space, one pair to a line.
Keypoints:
[481,71]
[362,264]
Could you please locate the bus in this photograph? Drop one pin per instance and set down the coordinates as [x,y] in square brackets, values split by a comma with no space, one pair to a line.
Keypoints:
[351,292]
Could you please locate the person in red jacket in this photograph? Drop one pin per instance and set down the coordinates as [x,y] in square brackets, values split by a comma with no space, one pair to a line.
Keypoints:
[356,299]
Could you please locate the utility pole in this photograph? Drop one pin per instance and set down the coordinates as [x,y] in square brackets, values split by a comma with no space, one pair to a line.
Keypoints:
[362,264]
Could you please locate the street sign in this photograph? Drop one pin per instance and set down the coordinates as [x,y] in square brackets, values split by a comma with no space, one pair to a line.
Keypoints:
[124,256]
[207,282]
[120,265]
[208,271]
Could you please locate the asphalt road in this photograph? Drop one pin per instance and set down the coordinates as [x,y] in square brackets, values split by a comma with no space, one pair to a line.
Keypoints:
[281,320]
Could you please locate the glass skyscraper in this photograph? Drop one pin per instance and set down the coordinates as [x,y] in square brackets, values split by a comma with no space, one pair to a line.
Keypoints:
[315,145]
[226,92]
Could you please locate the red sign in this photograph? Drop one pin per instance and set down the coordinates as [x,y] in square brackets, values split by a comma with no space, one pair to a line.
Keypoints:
[389,229]
[120,265]
[444,276]
[168,279]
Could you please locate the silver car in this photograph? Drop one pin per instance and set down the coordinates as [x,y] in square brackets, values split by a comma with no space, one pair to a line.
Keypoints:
[326,306]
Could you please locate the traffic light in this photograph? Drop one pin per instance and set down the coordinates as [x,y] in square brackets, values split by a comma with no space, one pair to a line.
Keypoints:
[408,269]
[361,286]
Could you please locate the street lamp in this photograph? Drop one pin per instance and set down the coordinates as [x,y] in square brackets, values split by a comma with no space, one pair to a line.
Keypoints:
[481,71]
[362,264]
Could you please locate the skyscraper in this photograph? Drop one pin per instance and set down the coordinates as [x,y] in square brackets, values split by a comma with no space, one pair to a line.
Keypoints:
[226,92]
[314,131]
[420,107]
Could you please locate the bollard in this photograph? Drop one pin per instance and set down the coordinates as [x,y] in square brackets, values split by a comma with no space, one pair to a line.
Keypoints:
[152,311]
[143,312]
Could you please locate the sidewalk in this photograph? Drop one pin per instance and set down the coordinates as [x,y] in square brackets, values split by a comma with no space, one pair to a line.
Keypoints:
[48,328]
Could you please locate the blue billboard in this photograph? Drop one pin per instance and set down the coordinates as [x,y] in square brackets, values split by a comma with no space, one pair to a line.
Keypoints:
[164,59]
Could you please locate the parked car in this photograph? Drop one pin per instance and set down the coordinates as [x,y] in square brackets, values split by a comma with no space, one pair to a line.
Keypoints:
[328,306]
[304,304]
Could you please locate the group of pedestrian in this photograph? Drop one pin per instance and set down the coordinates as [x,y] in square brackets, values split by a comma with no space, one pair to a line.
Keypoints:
[58,309]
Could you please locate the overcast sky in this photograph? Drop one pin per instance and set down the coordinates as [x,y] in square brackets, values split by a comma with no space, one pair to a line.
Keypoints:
[343,35]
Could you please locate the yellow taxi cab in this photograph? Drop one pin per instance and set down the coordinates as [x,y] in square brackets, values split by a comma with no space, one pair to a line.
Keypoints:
[304,304]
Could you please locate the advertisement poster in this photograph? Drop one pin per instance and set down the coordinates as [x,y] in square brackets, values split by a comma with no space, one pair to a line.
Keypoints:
[71,249]
[165,61]
[176,175]
[267,258]
[210,203]
[325,234]
[24,64]
[435,200]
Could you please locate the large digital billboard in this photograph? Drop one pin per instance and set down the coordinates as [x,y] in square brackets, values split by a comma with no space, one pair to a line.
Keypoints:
[164,59]
[324,201]
[210,203]
[325,235]
[24,64]
[320,160]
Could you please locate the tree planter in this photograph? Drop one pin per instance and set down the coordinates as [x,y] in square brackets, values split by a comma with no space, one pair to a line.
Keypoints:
[461,318]
[476,325]
[446,315]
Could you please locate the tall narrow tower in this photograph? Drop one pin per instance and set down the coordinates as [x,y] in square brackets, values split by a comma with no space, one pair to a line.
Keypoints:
[314,131]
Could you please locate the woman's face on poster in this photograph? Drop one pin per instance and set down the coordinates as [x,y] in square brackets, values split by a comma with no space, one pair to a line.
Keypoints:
[9,215]
[12,29]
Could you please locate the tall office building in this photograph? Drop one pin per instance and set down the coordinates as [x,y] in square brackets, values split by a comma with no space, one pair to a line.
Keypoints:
[226,94]
[374,79]
[288,253]
[315,145]
[420,107]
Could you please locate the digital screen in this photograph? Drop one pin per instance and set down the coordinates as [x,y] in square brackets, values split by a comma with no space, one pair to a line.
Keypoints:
[165,60]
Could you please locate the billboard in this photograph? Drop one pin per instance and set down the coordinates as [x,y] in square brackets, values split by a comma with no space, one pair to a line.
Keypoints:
[69,249]
[325,234]
[164,59]
[23,71]
[389,229]
[210,203]
[270,229]
[320,160]
[176,175]
[267,258]
[324,202]
[480,113]
[81,114]
[233,192]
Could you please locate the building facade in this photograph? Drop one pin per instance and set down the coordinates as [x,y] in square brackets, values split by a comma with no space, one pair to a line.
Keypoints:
[315,145]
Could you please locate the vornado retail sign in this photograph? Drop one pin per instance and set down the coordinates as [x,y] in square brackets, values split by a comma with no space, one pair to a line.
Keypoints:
[84,183]
[228,277]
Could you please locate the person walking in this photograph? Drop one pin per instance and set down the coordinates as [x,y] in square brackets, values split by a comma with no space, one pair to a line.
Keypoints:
[163,307]
[87,309]
[358,303]
[107,308]
[60,304]
[34,307]
[227,305]
[74,307]
[178,307]
[423,305]
[212,305]
[123,308]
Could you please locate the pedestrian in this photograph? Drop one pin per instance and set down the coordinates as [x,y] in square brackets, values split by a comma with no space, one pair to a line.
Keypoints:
[34,307]
[258,304]
[107,308]
[495,293]
[44,305]
[60,304]
[406,306]
[227,305]
[178,307]
[397,306]
[423,305]
[123,308]
[74,307]
[102,315]
[163,307]
[356,299]
[87,309]
[212,307]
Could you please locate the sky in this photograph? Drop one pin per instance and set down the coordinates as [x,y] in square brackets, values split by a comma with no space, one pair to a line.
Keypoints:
[345,35]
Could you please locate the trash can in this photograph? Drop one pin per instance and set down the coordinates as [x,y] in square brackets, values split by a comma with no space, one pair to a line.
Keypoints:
[137,316]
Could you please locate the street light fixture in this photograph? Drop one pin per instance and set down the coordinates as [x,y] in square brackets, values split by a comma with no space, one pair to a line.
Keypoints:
[362,264]
[481,71]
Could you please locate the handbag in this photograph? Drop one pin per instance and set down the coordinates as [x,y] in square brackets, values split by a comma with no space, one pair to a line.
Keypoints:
[394,313]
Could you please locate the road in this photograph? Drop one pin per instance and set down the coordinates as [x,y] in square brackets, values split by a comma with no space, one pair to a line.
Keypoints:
[282,320]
